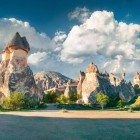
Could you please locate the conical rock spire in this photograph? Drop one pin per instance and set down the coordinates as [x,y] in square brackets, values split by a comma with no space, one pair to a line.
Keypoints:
[19,42]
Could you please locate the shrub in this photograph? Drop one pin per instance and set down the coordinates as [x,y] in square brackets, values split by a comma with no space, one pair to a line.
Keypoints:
[113,100]
[14,102]
[6,103]
[137,103]
[102,99]
[73,96]
[50,97]
[121,103]
[18,101]
[62,99]
[31,103]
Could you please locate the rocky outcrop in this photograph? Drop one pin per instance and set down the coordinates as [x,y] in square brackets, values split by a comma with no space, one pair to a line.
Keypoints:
[79,85]
[93,82]
[136,83]
[70,87]
[15,74]
[46,80]
[126,91]
[136,80]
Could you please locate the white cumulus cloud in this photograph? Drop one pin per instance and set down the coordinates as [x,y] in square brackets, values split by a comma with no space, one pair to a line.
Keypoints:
[37,41]
[103,37]
[36,58]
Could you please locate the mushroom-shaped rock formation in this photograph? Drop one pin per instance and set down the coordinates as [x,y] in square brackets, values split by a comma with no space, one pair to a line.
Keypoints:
[15,74]
[18,42]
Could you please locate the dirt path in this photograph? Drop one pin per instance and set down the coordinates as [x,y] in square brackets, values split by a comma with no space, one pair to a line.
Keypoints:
[73,125]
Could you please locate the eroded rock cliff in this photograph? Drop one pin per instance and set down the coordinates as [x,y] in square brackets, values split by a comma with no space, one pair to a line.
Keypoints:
[93,82]
[15,74]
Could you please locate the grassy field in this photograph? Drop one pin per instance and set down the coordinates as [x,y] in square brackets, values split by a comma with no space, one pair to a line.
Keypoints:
[73,125]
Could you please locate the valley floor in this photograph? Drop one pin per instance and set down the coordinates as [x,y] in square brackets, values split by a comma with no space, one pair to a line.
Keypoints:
[71,125]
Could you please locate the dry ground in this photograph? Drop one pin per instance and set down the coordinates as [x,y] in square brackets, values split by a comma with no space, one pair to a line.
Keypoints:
[73,125]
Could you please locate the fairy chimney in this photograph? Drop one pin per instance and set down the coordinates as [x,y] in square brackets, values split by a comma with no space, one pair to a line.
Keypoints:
[15,74]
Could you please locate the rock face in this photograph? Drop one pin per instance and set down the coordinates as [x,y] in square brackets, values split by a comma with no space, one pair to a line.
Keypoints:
[93,82]
[136,82]
[70,87]
[15,74]
[126,91]
[137,79]
[49,79]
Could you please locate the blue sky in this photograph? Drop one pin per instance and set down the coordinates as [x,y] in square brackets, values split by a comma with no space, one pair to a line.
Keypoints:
[51,15]
[66,35]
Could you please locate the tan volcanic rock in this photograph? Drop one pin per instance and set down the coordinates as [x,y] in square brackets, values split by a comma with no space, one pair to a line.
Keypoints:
[136,79]
[15,74]
[92,68]
[70,87]
[93,82]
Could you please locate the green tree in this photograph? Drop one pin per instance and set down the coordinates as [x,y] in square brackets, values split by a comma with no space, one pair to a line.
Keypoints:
[102,99]
[50,97]
[6,103]
[73,96]
[30,103]
[137,102]
[62,99]
[14,102]
[113,100]
[121,103]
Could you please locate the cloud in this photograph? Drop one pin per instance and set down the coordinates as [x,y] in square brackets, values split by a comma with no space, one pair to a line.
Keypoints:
[102,37]
[36,58]
[44,50]
[81,14]
[112,45]
[38,41]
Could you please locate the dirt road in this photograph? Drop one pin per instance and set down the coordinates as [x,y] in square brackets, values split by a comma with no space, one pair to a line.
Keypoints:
[73,125]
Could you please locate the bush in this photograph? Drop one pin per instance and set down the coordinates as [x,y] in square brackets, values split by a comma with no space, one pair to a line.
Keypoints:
[14,102]
[102,99]
[6,103]
[50,97]
[18,101]
[30,103]
[121,103]
[137,103]
[62,99]
[73,96]
[113,100]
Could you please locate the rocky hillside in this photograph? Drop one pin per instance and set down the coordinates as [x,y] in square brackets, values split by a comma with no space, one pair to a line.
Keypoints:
[49,79]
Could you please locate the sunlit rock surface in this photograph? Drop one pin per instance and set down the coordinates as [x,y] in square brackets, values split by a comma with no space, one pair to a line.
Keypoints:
[46,80]
[93,82]
[15,74]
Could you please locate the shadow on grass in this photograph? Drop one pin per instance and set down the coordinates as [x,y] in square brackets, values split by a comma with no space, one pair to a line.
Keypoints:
[14,127]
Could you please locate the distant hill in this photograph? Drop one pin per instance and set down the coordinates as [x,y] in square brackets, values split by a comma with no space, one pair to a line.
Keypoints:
[49,79]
